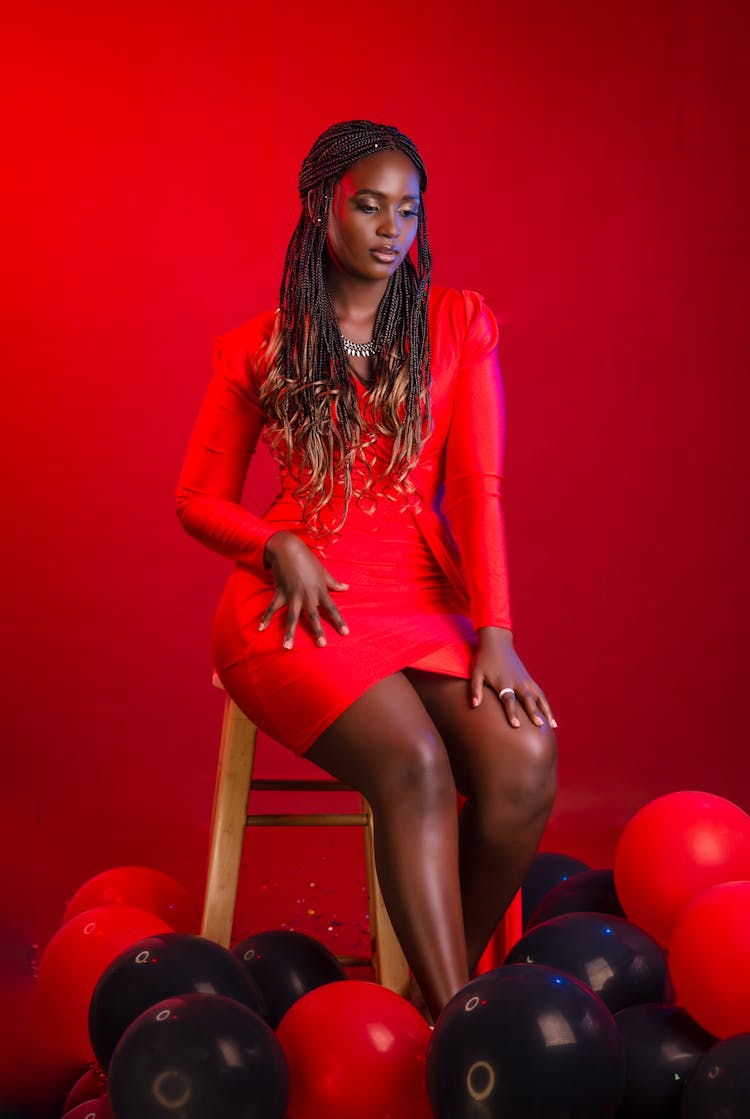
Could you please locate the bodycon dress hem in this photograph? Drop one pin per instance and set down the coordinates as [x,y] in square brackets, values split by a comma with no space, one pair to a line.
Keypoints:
[248,699]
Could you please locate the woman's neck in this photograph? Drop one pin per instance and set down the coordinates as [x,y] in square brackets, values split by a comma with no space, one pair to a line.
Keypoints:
[355,301]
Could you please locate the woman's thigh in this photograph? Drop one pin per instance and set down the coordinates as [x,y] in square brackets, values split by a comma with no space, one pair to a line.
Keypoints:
[386,743]
[488,756]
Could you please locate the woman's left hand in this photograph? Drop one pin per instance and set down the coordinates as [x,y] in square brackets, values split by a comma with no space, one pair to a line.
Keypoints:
[497,665]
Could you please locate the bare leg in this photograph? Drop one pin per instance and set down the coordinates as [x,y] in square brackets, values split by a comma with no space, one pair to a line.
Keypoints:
[508,775]
[387,746]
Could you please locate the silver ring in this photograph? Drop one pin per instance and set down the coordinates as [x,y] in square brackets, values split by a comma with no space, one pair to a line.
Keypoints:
[506,691]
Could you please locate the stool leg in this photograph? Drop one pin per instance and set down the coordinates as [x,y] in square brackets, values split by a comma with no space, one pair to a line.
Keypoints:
[228,823]
[391,968]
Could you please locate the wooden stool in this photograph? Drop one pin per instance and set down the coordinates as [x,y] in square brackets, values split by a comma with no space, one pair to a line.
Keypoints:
[230,819]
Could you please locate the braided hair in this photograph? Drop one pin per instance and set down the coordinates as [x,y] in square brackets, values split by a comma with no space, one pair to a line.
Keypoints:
[316,424]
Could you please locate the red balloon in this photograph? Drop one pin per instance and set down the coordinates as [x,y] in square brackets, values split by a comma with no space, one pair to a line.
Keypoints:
[74,960]
[673,849]
[142,888]
[355,1048]
[709,959]
[91,1085]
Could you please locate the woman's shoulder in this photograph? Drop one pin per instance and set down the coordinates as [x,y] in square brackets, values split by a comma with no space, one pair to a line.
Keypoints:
[249,336]
[462,317]
[443,299]
[236,356]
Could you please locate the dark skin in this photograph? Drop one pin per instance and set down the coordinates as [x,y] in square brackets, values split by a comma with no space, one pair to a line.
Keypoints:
[414,739]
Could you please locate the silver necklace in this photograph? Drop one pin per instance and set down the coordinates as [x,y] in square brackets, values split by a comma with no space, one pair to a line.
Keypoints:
[358,349]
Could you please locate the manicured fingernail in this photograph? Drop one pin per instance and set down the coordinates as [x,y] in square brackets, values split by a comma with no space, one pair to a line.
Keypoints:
[261,625]
[554,722]
[539,722]
[475,701]
[345,629]
[321,642]
[515,722]
[287,644]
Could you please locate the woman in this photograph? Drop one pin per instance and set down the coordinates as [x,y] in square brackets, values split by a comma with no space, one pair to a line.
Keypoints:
[366,622]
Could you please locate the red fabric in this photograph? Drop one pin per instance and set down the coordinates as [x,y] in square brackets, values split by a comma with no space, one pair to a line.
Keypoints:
[506,936]
[420,581]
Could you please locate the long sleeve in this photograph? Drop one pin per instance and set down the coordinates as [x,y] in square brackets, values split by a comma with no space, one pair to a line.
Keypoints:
[219,453]
[474,469]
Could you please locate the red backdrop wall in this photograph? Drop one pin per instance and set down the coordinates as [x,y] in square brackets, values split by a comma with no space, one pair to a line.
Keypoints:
[589,168]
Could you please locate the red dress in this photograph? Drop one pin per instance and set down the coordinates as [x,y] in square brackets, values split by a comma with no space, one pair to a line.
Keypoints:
[421,580]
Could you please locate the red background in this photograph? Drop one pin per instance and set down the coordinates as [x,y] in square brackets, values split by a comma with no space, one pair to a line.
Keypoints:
[589,174]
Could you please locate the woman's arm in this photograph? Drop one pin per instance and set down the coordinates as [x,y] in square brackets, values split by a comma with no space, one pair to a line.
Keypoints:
[208,501]
[218,456]
[473,503]
[474,469]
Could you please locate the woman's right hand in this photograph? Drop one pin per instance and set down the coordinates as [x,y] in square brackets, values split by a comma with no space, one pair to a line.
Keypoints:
[302,584]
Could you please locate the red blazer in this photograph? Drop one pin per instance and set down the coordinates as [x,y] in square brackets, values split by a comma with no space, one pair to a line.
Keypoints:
[459,473]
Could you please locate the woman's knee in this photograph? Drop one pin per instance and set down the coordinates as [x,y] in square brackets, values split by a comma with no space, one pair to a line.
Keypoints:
[523,777]
[416,775]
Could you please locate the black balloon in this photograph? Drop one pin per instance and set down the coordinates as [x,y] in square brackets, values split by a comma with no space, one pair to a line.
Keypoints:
[591,891]
[157,968]
[199,1057]
[720,1085]
[548,869]
[286,965]
[98,1108]
[662,1045]
[525,1042]
[621,963]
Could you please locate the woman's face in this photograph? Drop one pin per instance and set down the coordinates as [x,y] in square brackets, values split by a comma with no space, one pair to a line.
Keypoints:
[373,217]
